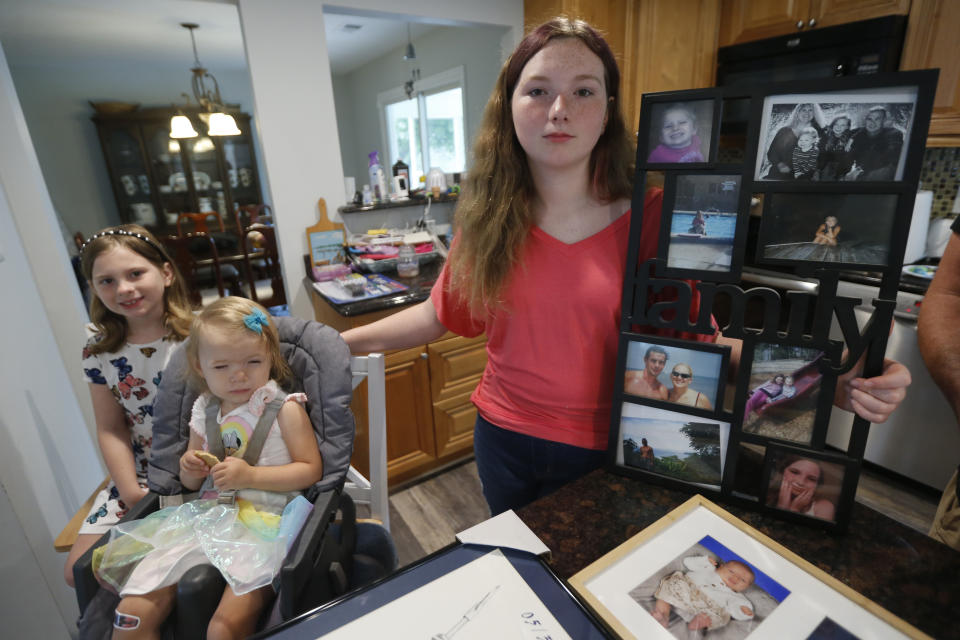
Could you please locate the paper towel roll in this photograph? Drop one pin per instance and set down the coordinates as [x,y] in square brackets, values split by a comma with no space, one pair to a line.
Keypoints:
[919,223]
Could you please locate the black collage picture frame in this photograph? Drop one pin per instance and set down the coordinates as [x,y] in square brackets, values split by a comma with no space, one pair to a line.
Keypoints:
[831,167]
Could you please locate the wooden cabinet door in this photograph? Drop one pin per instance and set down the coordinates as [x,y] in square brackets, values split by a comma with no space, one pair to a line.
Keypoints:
[746,20]
[827,13]
[456,366]
[932,43]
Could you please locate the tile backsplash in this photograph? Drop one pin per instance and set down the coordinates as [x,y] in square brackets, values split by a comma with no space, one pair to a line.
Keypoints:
[941,174]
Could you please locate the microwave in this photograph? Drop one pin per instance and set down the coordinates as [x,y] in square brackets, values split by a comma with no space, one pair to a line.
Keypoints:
[855,48]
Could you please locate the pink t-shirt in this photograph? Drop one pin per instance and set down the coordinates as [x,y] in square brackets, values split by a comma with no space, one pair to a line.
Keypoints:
[552,353]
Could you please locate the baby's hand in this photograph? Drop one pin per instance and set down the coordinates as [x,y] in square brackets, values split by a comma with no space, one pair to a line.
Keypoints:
[747,611]
[192,465]
[232,473]
[700,621]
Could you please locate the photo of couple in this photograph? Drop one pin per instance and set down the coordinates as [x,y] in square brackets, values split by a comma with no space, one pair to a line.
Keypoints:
[674,374]
[830,138]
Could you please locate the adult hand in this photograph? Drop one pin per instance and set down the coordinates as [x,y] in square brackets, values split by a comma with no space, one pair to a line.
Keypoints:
[232,473]
[873,398]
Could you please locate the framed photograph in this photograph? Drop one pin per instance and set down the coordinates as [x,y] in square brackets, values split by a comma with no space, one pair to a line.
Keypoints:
[851,136]
[752,585]
[679,132]
[463,590]
[788,392]
[809,484]
[675,372]
[700,225]
[842,230]
[671,445]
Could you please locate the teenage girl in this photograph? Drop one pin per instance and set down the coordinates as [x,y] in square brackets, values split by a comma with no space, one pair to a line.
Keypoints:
[538,265]
[138,311]
[234,357]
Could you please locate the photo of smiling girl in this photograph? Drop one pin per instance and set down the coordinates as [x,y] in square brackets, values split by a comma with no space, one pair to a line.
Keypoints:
[681,132]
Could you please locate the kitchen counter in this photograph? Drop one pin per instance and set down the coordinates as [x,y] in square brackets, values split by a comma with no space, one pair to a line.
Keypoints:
[415,201]
[904,571]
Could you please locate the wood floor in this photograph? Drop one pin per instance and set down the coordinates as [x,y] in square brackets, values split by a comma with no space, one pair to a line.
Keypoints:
[427,516]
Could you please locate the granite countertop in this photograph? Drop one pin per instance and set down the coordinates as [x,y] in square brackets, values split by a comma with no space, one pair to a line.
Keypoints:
[419,290]
[416,200]
[911,575]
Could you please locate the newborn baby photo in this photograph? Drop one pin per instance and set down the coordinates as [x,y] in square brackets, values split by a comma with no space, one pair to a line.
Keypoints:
[709,591]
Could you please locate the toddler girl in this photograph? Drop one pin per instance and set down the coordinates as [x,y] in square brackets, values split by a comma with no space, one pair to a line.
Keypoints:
[139,311]
[248,511]
[788,391]
[679,141]
[805,155]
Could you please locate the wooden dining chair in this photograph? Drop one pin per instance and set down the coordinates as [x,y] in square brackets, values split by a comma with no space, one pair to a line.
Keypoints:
[201,271]
[259,244]
[199,222]
[249,214]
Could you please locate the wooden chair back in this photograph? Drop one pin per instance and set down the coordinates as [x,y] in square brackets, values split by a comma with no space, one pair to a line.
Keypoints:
[199,222]
[249,214]
[194,275]
[259,242]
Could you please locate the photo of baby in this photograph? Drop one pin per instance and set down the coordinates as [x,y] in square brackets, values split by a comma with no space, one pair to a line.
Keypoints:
[680,132]
[709,591]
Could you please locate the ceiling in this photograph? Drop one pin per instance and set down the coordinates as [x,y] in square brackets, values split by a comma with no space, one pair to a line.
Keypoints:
[148,33]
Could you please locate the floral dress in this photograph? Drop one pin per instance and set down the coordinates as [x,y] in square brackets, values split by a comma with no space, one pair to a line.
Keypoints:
[133,374]
[247,541]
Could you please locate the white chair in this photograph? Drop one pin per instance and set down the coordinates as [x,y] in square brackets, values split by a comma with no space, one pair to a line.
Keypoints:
[372,491]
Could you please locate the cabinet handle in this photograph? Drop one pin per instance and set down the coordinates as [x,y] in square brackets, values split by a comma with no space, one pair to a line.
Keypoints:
[423,355]
[812,23]
[799,24]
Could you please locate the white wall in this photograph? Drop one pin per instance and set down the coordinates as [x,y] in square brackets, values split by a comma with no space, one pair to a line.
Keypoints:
[293,94]
[476,49]
[48,463]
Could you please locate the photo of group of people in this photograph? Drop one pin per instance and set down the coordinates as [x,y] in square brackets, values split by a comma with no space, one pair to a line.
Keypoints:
[702,214]
[852,137]
[709,591]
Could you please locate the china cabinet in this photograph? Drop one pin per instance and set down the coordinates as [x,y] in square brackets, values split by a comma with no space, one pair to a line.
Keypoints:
[155,177]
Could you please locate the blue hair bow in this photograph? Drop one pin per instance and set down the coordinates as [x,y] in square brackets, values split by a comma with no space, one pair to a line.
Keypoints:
[256,320]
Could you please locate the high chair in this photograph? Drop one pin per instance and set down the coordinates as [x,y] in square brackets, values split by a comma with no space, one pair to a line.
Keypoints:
[321,564]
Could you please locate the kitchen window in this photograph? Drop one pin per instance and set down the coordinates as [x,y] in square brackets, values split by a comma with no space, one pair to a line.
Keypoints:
[425,130]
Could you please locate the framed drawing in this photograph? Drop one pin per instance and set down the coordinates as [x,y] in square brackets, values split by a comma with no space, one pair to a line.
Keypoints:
[465,591]
[700,569]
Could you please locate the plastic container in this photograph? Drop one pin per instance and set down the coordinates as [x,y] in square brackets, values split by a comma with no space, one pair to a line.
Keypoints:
[408,264]
[367,195]
[378,179]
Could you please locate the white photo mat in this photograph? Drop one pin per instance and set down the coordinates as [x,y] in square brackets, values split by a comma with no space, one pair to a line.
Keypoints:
[814,594]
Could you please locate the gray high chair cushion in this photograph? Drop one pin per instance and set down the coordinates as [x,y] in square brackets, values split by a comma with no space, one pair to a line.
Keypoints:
[320,361]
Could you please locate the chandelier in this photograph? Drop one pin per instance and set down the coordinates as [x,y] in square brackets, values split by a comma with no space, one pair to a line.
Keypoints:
[206,92]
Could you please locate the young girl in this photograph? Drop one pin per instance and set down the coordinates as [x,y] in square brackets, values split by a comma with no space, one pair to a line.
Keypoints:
[834,160]
[827,232]
[804,156]
[139,311]
[234,356]
[796,488]
[679,141]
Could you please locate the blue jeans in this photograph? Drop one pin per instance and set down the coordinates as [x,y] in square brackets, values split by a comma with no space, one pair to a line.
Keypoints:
[516,469]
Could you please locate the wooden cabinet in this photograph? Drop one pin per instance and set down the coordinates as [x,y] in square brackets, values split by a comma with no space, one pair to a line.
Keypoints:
[931,42]
[746,20]
[155,178]
[429,414]
[660,45]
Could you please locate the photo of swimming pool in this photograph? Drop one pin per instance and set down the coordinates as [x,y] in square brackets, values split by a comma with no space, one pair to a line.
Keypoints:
[719,225]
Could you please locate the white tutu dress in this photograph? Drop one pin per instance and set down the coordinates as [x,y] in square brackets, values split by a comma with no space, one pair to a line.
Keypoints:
[247,541]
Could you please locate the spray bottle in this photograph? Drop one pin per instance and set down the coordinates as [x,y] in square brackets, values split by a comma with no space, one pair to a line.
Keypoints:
[378,179]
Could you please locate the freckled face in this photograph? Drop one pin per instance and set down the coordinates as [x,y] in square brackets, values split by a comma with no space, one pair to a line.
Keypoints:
[559,105]
[678,129]
[802,475]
